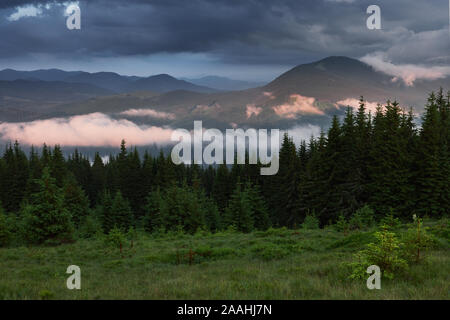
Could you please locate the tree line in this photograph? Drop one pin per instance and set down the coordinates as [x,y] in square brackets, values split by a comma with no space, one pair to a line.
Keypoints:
[382,160]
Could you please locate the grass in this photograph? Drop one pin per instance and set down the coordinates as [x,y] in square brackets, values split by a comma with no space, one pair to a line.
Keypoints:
[276,264]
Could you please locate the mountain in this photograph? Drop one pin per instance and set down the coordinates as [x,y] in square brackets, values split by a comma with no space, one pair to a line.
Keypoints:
[333,79]
[224,84]
[108,80]
[44,75]
[21,100]
[165,83]
[49,90]
[307,94]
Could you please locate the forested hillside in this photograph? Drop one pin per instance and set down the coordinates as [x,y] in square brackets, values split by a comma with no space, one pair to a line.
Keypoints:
[382,162]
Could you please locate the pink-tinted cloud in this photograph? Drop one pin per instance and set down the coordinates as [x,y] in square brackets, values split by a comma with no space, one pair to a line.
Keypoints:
[269,95]
[201,108]
[354,103]
[95,129]
[148,113]
[297,104]
[253,110]
[407,73]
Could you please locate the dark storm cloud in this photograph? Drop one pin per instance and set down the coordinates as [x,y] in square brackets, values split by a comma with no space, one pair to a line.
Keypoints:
[15,3]
[233,31]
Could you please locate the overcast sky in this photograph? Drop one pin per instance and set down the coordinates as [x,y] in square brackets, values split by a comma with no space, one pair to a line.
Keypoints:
[241,39]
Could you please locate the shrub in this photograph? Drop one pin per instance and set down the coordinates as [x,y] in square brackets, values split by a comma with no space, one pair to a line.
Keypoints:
[417,241]
[385,253]
[5,233]
[390,221]
[90,227]
[362,218]
[442,229]
[311,222]
[115,238]
[342,224]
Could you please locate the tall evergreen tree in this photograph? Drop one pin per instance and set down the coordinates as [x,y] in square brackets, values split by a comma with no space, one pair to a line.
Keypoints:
[45,217]
[239,211]
[75,200]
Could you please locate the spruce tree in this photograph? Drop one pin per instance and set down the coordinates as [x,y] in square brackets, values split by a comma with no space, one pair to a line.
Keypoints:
[98,178]
[106,217]
[14,179]
[260,213]
[121,213]
[5,231]
[154,217]
[58,168]
[75,200]
[429,179]
[45,217]
[239,211]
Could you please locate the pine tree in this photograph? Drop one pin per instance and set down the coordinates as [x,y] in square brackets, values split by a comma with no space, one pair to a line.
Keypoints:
[58,167]
[35,172]
[239,211]
[106,216]
[221,187]
[121,213]
[429,179]
[155,209]
[389,167]
[5,231]
[260,213]
[45,217]
[98,178]
[14,179]
[213,218]
[284,194]
[75,200]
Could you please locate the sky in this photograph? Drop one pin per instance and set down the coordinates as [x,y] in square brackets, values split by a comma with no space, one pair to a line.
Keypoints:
[241,39]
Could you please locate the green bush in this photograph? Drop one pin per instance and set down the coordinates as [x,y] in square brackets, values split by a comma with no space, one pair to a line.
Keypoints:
[362,218]
[385,253]
[390,221]
[5,233]
[441,229]
[90,227]
[417,241]
[342,224]
[311,222]
[115,238]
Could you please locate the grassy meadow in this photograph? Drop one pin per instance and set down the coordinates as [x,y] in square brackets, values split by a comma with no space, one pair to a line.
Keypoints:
[272,264]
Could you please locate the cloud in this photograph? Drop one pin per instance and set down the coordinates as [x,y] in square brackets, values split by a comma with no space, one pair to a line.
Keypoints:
[269,95]
[201,108]
[253,110]
[251,38]
[148,113]
[303,133]
[298,104]
[95,129]
[25,11]
[354,103]
[408,73]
